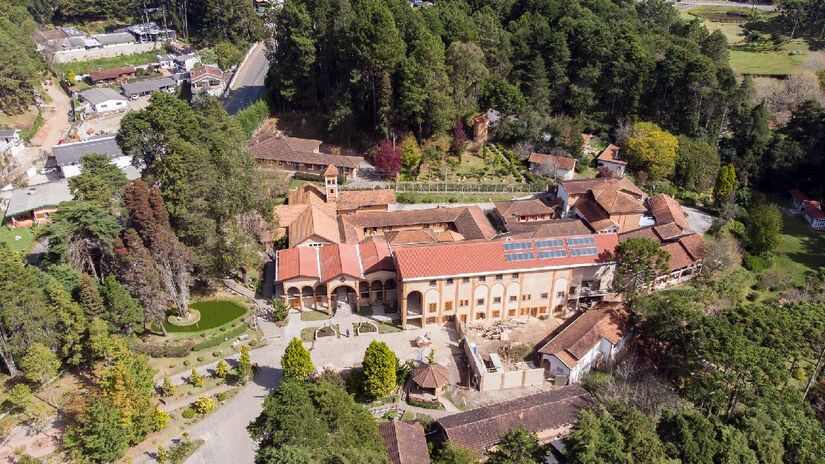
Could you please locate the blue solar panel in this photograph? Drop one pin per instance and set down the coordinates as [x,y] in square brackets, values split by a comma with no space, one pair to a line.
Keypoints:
[584,251]
[509,246]
[581,241]
[552,254]
[554,243]
[518,256]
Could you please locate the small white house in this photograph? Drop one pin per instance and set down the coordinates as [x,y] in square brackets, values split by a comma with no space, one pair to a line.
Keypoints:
[102,100]
[609,159]
[68,156]
[187,62]
[557,167]
[811,210]
[593,338]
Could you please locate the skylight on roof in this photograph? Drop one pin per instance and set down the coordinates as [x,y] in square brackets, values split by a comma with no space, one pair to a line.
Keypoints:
[518,256]
[553,254]
[590,251]
[510,246]
[581,241]
[553,243]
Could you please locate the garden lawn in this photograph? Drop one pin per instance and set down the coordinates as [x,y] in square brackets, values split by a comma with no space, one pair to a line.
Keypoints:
[214,313]
[801,249]
[83,67]
[10,238]
[312,315]
[415,197]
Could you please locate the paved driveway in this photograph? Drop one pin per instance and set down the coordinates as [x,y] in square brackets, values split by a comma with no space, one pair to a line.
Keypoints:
[699,220]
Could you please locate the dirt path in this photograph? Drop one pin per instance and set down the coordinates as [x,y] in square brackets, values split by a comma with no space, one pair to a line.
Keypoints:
[55,118]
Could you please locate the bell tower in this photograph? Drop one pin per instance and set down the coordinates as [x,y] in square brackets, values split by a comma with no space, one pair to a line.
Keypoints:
[331,183]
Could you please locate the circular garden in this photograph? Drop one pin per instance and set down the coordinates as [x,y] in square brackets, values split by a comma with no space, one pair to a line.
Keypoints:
[206,315]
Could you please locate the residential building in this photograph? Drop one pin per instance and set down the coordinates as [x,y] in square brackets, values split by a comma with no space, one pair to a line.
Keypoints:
[609,159]
[405,442]
[509,213]
[605,204]
[592,338]
[207,80]
[11,144]
[477,281]
[557,167]
[114,38]
[549,415]
[262,6]
[301,155]
[34,205]
[102,101]
[187,61]
[811,210]
[106,76]
[686,249]
[142,88]
[150,32]
[67,156]
[166,61]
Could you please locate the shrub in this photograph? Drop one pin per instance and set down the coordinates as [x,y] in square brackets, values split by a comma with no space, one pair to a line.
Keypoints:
[379,369]
[188,413]
[165,350]
[20,396]
[203,405]
[219,338]
[167,389]
[221,369]
[200,359]
[754,263]
[253,342]
[195,379]
[187,362]
[251,117]
[296,361]
[216,354]
[222,396]
[425,404]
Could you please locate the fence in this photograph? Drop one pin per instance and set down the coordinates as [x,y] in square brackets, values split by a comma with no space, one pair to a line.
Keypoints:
[444,187]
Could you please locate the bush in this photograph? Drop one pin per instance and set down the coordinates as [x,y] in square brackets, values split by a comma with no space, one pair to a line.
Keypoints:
[188,413]
[165,350]
[253,343]
[216,354]
[200,359]
[20,396]
[425,404]
[203,405]
[222,396]
[187,362]
[251,117]
[754,263]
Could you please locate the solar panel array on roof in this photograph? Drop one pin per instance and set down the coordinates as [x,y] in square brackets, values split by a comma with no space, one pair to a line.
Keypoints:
[581,241]
[560,253]
[553,243]
[590,251]
[518,256]
[509,246]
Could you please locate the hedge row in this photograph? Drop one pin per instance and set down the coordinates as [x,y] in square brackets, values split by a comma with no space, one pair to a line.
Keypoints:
[220,337]
[165,350]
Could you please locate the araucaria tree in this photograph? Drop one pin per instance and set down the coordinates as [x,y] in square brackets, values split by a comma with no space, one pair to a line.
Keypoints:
[173,260]
[296,361]
[640,261]
[379,369]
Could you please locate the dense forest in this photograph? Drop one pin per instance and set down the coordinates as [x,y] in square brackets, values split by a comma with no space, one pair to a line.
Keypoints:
[373,66]
[20,65]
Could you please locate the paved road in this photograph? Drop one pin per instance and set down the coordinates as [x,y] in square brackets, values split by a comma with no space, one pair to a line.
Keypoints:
[699,221]
[249,83]
[691,3]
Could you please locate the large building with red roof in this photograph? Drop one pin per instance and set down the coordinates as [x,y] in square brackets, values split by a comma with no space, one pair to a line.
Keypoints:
[810,209]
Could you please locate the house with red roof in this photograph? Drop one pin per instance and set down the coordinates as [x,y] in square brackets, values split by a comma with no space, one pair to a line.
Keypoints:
[605,204]
[557,167]
[810,209]
[609,159]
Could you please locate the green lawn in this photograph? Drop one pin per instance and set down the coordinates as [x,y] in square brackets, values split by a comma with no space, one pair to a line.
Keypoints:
[414,197]
[312,315]
[781,60]
[385,327]
[82,67]
[19,240]
[214,313]
[801,249]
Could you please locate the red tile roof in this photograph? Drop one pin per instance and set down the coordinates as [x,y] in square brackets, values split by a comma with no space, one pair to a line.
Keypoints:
[611,155]
[430,376]
[330,261]
[297,262]
[555,228]
[405,442]
[375,256]
[206,71]
[666,209]
[479,429]
[274,147]
[355,199]
[469,221]
[565,163]
[511,211]
[109,74]
[608,321]
[339,260]
[798,194]
[330,171]
[462,258]
[814,209]
[684,250]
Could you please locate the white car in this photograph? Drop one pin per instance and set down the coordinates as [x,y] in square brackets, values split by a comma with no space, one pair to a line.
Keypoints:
[45,171]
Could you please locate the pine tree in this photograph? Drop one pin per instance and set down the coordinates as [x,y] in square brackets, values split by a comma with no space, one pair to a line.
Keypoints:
[73,323]
[39,364]
[141,277]
[725,184]
[296,361]
[195,379]
[89,296]
[221,369]
[167,389]
[243,371]
[123,312]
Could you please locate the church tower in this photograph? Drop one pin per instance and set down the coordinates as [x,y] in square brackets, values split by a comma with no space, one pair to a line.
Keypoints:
[331,183]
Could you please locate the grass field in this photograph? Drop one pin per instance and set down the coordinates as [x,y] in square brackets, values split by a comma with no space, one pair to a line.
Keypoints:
[82,67]
[22,244]
[213,314]
[801,249]
[781,59]
[312,315]
[412,197]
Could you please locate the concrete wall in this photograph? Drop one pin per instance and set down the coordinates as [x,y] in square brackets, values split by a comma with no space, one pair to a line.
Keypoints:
[108,51]
[491,381]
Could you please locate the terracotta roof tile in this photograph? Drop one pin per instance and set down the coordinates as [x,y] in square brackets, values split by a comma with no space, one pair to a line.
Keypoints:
[670,231]
[666,209]
[695,245]
[679,258]
[487,257]
[313,221]
[354,199]
[593,214]
[608,320]
[405,237]
[297,262]
[376,256]
[206,71]
[554,228]
[565,163]
[273,147]
[338,260]
[330,171]
[582,186]
[405,442]
[108,74]
[479,429]
[469,221]
[430,376]
[510,211]
[611,155]
[814,209]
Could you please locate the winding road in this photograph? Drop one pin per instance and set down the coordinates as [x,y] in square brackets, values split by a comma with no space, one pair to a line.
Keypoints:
[248,85]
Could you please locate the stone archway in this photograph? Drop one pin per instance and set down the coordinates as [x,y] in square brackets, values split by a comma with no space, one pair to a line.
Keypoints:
[346,296]
[377,292]
[390,296]
[321,298]
[413,309]
[307,297]
[294,297]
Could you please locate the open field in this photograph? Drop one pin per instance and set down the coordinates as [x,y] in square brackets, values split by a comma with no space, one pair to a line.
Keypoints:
[19,240]
[759,56]
[801,249]
[82,67]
